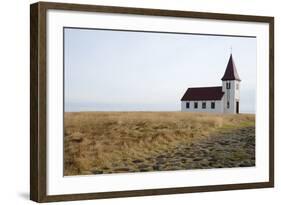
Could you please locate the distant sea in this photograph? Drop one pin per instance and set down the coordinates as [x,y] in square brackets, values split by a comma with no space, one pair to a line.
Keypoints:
[86,107]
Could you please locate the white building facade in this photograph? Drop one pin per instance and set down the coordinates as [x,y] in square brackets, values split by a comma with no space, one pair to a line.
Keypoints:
[214,106]
[219,99]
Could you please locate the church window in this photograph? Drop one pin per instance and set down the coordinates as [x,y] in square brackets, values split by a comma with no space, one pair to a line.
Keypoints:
[196,105]
[187,105]
[228,85]
[228,104]
[213,105]
[203,105]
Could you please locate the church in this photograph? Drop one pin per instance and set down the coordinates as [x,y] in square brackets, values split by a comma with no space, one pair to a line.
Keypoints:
[219,99]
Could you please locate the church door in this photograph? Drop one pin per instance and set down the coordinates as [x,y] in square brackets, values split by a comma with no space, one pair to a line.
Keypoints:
[237,107]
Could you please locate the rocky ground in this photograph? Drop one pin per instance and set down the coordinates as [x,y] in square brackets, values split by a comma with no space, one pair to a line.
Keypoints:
[224,150]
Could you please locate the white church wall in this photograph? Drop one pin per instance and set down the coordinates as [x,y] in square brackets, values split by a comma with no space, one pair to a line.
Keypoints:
[218,106]
[237,90]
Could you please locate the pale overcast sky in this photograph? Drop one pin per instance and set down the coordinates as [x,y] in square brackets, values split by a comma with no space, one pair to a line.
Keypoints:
[143,71]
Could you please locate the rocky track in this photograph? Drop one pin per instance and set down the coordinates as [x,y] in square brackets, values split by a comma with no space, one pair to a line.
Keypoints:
[224,150]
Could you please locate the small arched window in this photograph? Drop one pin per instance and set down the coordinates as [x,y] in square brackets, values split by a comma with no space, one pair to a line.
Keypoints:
[213,105]
[228,85]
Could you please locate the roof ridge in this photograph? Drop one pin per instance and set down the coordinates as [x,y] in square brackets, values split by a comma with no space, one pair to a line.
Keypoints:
[206,87]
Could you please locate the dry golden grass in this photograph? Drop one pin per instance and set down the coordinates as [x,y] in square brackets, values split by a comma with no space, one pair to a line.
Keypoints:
[98,140]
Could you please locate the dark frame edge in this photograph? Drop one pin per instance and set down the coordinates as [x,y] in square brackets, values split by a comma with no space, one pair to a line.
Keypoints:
[271,101]
[37,103]
[154,192]
[153,12]
[34,191]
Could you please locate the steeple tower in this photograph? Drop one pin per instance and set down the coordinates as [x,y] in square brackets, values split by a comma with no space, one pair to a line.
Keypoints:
[231,87]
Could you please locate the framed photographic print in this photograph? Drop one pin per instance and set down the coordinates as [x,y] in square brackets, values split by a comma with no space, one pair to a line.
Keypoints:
[134,102]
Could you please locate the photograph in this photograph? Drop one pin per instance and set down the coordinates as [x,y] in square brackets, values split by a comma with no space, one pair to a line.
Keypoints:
[149,101]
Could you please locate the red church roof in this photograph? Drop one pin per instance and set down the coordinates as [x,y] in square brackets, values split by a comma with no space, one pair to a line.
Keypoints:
[205,93]
[230,71]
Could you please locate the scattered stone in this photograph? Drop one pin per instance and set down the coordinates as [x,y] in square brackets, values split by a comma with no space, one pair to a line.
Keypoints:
[156,167]
[243,165]
[123,169]
[137,161]
[77,139]
[213,159]
[143,166]
[160,160]
[160,156]
[179,154]
[97,172]
[144,170]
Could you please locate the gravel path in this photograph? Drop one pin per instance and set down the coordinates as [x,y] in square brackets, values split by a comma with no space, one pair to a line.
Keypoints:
[225,150]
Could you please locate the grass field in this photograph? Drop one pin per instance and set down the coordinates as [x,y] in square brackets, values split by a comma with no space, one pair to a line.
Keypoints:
[113,142]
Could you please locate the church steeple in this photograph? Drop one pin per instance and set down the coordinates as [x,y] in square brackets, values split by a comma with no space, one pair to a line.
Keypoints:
[230,71]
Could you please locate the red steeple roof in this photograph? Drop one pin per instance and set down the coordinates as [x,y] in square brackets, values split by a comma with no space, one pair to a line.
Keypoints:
[230,71]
